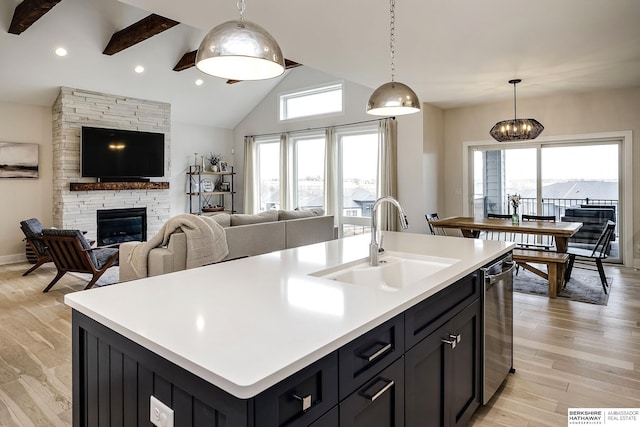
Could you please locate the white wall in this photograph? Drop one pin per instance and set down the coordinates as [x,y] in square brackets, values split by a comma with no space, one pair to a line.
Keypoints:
[264,120]
[187,139]
[25,198]
[433,169]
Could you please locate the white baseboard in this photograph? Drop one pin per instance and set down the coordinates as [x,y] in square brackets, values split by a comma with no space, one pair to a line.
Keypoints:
[12,259]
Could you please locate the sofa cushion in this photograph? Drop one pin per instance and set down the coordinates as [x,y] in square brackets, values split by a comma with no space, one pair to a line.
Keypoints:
[245,219]
[299,213]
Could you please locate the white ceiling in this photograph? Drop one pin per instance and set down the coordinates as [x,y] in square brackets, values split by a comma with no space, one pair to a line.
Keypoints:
[451,52]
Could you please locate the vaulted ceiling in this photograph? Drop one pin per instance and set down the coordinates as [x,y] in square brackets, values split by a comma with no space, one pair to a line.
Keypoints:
[452,53]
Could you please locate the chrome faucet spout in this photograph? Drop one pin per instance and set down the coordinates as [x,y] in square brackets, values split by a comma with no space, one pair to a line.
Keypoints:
[374,247]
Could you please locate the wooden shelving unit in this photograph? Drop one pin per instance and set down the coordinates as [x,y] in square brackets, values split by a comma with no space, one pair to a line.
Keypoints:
[211,192]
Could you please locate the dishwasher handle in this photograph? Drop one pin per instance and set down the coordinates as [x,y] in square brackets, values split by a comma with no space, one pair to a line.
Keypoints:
[491,279]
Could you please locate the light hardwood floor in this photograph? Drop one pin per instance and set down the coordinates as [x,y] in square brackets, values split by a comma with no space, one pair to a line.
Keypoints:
[567,354]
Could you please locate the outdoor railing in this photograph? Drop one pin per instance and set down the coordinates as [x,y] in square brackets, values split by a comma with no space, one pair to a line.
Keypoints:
[550,206]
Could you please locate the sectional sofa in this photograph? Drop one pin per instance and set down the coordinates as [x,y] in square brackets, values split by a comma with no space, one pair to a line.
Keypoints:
[247,235]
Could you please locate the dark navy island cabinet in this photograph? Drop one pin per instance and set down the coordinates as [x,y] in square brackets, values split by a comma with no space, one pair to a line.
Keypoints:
[420,368]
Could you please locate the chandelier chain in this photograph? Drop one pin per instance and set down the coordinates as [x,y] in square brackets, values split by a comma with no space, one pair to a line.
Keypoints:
[392,37]
[514,102]
[241,7]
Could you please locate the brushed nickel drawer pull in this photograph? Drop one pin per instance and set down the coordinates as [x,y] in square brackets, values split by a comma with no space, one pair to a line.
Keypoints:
[306,401]
[378,353]
[451,343]
[387,386]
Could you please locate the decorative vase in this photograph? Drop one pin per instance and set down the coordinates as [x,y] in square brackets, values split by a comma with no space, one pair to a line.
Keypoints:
[515,218]
[214,168]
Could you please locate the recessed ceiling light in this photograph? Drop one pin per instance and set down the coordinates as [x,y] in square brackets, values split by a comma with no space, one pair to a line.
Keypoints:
[139,69]
[199,82]
[61,51]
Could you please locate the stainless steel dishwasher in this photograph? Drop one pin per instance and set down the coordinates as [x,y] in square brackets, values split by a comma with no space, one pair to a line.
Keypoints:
[498,325]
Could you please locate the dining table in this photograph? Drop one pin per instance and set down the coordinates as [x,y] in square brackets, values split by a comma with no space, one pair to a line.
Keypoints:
[472,226]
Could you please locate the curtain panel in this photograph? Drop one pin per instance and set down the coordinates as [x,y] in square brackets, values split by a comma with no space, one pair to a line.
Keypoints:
[249,198]
[387,172]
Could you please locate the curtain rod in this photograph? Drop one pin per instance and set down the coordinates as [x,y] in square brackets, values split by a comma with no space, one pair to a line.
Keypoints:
[321,128]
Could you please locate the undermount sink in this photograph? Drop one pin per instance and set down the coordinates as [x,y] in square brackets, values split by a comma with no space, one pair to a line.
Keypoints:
[396,270]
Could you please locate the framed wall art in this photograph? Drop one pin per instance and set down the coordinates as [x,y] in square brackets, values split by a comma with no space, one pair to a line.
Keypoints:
[18,160]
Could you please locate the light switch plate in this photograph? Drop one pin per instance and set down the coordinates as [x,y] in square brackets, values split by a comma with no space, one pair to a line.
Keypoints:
[160,414]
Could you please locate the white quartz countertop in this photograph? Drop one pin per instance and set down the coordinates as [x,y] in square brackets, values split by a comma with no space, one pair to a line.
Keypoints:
[245,325]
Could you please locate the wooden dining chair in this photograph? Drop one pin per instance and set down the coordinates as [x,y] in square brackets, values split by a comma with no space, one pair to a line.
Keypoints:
[600,252]
[71,252]
[32,229]
[533,241]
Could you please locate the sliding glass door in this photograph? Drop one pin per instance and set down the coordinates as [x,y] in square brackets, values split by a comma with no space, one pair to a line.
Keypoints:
[571,181]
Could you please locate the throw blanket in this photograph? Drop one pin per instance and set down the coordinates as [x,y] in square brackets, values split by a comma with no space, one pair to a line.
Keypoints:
[206,242]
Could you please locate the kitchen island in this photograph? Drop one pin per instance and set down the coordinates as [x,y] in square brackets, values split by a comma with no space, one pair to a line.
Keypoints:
[263,341]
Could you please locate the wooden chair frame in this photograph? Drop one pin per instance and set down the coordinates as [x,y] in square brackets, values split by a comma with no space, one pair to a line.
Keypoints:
[598,254]
[38,248]
[70,254]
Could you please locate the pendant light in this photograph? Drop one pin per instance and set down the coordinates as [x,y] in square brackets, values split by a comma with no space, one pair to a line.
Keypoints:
[240,50]
[516,129]
[393,98]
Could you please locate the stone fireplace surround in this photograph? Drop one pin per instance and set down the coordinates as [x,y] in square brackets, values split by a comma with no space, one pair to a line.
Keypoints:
[75,108]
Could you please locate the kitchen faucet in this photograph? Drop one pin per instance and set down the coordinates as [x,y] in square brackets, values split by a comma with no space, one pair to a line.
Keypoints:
[374,248]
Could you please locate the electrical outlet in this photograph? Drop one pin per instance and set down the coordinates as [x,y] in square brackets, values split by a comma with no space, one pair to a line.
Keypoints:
[160,414]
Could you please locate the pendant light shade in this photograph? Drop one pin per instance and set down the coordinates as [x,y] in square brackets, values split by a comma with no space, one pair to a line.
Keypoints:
[516,129]
[393,98]
[240,50]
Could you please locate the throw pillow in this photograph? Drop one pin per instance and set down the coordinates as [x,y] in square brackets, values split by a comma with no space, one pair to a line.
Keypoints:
[299,213]
[223,219]
[245,219]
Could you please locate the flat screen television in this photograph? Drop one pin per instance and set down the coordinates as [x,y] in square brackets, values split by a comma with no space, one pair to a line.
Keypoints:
[116,154]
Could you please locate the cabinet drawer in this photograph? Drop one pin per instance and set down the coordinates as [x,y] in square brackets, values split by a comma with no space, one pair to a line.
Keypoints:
[363,357]
[428,315]
[330,419]
[379,402]
[302,398]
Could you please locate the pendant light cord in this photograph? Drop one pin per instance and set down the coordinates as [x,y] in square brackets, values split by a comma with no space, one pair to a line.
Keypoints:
[241,7]
[515,116]
[392,37]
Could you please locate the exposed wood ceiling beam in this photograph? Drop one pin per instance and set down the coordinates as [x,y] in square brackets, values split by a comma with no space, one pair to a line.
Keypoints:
[188,60]
[138,32]
[28,12]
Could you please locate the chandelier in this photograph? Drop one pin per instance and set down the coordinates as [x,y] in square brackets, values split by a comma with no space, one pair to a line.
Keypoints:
[516,129]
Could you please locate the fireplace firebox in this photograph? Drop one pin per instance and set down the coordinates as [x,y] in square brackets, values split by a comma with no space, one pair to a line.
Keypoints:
[121,225]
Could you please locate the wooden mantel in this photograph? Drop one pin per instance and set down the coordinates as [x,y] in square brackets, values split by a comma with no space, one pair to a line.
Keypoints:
[98,186]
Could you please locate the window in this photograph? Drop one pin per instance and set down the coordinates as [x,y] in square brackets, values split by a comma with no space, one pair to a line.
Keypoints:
[358,169]
[312,102]
[290,172]
[308,170]
[268,173]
